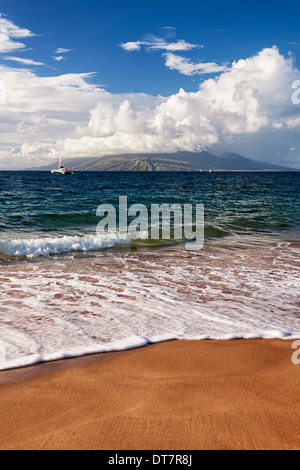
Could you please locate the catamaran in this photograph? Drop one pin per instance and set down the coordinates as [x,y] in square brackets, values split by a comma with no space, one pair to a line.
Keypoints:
[61,169]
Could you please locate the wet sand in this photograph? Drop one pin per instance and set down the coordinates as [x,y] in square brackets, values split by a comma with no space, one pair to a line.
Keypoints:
[179,395]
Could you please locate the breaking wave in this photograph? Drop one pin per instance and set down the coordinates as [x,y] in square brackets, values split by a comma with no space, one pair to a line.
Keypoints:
[36,247]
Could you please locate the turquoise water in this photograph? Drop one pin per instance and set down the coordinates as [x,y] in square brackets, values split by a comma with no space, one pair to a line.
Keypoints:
[36,205]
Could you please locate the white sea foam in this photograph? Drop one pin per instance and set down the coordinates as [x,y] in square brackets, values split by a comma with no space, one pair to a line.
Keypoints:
[35,247]
[57,308]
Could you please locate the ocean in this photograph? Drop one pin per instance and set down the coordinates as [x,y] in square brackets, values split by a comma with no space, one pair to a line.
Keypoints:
[67,291]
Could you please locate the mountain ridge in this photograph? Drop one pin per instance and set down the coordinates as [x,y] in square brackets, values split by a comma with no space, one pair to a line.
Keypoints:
[180,161]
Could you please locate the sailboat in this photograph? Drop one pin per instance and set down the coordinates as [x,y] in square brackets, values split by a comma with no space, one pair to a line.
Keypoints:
[61,169]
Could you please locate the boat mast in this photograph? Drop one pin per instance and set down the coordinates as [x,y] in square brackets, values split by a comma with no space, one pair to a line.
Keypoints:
[60,154]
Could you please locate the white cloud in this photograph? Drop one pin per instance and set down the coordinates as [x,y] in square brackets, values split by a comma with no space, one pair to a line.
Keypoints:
[251,98]
[60,50]
[293,123]
[59,58]
[23,61]
[277,125]
[187,67]
[132,46]
[249,106]
[9,32]
[155,43]
[36,111]
[174,61]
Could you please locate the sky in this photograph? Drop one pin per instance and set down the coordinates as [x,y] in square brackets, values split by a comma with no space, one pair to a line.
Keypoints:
[125,76]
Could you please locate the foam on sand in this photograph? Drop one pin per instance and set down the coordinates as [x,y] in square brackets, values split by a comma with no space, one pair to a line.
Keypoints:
[65,307]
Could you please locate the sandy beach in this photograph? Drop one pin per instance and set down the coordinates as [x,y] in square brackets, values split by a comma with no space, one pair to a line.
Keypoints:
[181,395]
[150,227]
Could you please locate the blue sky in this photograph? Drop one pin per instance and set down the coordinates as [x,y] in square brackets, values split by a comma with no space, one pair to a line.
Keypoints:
[155,49]
[93,30]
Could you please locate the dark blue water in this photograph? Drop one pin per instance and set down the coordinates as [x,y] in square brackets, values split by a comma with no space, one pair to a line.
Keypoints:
[36,205]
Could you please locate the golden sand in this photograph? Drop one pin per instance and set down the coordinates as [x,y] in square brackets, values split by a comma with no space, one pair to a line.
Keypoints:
[179,395]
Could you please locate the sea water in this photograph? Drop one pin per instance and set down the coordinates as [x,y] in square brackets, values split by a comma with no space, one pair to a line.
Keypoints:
[67,291]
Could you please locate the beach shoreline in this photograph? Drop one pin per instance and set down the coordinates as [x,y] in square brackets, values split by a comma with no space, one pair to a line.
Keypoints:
[40,369]
[235,394]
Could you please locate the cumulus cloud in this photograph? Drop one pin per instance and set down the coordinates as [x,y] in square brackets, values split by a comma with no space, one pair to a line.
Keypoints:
[10,34]
[156,43]
[36,110]
[170,125]
[187,67]
[251,96]
[248,102]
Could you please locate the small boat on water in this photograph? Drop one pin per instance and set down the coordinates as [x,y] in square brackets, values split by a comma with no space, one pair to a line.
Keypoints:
[61,169]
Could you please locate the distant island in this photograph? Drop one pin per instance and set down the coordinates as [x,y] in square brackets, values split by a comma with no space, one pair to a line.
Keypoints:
[180,161]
